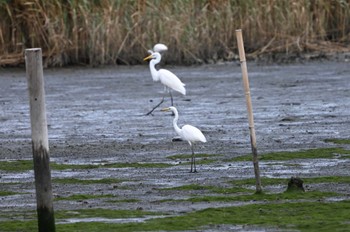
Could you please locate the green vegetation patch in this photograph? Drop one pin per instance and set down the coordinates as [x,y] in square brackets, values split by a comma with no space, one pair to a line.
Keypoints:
[319,153]
[16,165]
[284,181]
[327,179]
[239,186]
[31,225]
[200,158]
[8,193]
[26,165]
[264,181]
[124,201]
[303,216]
[188,156]
[338,141]
[264,197]
[214,189]
[19,225]
[300,215]
[231,190]
[57,166]
[189,187]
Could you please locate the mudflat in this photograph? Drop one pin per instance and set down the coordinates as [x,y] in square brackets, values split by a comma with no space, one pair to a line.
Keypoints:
[96,116]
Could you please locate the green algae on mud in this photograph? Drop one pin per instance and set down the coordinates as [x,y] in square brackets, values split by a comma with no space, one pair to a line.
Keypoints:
[214,189]
[241,183]
[303,216]
[299,215]
[16,165]
[188,156]
[263,210]
[26,165]
[124,201]
[200,158]
[320,153]
[338,141]
[264,197]
[7,193]
[30,224]
[265,206]
[283,181]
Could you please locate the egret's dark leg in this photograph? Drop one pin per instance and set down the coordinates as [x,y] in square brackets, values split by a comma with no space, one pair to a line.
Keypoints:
[172,101]
[156,106]
[193,160]
[171,98]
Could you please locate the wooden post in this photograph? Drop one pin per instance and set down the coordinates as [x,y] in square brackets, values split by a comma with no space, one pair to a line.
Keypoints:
[249,108]
[40,144]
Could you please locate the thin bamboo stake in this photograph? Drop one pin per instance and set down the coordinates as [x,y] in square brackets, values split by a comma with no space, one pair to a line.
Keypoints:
[249,109]
[40,144]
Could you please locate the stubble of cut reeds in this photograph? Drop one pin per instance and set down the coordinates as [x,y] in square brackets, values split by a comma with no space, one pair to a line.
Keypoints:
[196,31]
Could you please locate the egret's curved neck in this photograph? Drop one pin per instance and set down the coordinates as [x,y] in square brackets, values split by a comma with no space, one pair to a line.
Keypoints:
[176,127]
[153,69]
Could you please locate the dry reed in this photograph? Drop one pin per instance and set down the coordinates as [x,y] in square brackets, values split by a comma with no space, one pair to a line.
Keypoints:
[120,32]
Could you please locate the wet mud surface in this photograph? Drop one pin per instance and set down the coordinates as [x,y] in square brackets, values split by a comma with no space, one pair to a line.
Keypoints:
[97,116]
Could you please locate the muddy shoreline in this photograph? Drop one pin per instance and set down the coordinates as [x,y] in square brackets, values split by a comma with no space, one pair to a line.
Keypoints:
[96,115]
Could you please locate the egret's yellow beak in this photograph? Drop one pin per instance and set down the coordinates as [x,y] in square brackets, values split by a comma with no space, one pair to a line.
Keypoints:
[165,109]
[148,57]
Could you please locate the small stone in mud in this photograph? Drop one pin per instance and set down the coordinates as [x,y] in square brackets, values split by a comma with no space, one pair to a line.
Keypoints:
[295,184]
[176,139]
[289,119]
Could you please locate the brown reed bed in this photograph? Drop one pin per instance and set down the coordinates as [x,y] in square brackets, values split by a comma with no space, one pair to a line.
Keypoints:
[196,31]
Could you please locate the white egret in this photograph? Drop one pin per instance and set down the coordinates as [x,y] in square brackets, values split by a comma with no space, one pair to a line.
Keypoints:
[167,78]
[189,133]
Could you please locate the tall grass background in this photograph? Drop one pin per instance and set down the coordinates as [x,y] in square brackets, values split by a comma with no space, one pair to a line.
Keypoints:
[121,31]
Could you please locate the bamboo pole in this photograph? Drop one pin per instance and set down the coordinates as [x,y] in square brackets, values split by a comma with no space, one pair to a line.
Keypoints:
[40,144]
[249,109]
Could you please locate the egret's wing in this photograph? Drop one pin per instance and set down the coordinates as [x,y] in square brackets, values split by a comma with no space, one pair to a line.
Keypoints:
[193,134]
[170,80]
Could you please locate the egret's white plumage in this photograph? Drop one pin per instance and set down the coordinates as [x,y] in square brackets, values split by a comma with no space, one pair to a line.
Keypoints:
[189,133]
[167,78]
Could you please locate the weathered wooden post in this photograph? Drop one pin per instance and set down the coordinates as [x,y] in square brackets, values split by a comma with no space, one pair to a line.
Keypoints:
[40,144]
[249,108]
